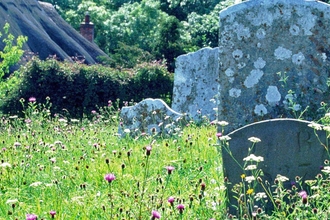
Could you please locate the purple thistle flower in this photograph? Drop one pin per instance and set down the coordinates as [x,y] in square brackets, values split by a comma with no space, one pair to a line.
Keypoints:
[170,169]
[109,177]
[52,213]
[148,150]
[32,99]
[303,195]
[180,207]
[31,217]
[218,134]
[171,200]
[155,214]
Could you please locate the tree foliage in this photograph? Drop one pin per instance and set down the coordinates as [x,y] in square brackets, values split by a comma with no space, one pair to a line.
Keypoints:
[12,51]
[135,31]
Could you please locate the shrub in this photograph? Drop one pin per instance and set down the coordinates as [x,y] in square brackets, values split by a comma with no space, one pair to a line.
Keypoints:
[78,89]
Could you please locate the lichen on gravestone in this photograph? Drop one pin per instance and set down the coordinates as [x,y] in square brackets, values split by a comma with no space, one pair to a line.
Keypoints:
[196,84]
[150,117]
[259,42]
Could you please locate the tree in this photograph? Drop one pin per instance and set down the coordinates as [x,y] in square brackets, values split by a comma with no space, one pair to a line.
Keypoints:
[11,53]
[168,44]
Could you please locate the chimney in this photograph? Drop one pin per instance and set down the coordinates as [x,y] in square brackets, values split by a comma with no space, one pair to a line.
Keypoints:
[87,28]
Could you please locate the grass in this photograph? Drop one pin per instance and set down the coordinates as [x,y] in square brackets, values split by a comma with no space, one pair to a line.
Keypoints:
[55,167]
[60,164]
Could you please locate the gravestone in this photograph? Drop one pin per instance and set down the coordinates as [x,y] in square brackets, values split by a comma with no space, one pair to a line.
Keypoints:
[196,84]
[289,148]
[274,58]
[149,117]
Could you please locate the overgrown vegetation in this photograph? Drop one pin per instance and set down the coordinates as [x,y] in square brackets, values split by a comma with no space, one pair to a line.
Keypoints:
[75,89]
[157,30]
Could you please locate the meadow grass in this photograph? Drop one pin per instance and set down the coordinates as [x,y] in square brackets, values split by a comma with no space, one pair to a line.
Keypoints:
[55,167]
[81,169]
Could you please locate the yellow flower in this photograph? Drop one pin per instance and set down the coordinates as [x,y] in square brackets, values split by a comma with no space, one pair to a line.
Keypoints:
[243,176]
[249,191]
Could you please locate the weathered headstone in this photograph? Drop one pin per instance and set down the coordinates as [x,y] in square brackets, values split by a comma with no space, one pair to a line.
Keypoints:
[274,59]
[149,117]
[289,147]
[196,84]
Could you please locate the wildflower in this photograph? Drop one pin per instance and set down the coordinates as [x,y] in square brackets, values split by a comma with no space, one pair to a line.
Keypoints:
[303,195]
[249,191]
[109,177]
[28,121]
[127,131]
[326,169]
[31,217]
[223,123]
[315,126]
[171,200]
[281,178]
[11,201]
[243,176]
[148,150]
[260,195]
[249,179]
[35,184]
[253,157]
[17,144]
[52,213]
[180,207]
[251,167]
[254,139]
[218,134]
[5,164]
[32,99]
[155,214]
[62,120]
[170,169]
[203,186]
[225,138]
[93,112]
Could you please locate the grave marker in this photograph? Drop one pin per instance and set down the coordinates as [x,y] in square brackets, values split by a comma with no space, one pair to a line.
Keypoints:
[196,84]
[274,59]
[289,148]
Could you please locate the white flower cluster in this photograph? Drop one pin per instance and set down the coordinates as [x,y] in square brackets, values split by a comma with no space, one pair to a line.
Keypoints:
[253,157]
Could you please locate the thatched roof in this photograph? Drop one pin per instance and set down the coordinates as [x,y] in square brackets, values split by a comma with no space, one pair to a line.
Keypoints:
[48,34]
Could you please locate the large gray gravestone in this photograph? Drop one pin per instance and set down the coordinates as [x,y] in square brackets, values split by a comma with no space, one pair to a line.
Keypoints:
[274,58]
[196,84]
[289,148]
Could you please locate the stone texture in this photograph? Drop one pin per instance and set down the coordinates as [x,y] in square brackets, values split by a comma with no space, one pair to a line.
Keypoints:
[289,147]
[274,60]
[151,117]
[195,83]
[48,34]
